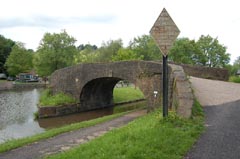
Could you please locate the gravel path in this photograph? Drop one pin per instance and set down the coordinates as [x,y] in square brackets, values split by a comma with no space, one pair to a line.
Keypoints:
[221,102]
[68,140]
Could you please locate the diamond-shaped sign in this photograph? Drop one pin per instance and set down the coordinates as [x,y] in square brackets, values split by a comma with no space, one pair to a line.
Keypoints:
[164,32]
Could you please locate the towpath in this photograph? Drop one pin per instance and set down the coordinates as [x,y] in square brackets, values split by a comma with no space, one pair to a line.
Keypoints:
[221,103]
[68,140]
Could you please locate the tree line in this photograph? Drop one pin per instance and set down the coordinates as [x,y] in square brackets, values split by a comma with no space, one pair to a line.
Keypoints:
[59,50]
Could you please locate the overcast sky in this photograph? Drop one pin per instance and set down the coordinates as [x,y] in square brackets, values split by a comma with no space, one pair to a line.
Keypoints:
[95,21]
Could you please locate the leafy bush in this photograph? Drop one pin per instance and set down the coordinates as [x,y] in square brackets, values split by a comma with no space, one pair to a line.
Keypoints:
[235,79]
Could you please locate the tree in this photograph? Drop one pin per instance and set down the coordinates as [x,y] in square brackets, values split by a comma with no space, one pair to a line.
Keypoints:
[19,60]
[213,53]
[108,50]
[55,51]
[144,46]
[235,67]
[185,51]
[206,51]
[87,53]
[237,62]
[87,46]
[5,49]
[126,54]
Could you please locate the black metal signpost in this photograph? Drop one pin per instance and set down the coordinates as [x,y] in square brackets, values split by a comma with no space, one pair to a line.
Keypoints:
[164,32]
[165,85]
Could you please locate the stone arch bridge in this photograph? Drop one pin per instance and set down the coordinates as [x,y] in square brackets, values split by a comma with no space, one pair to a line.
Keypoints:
[93,83]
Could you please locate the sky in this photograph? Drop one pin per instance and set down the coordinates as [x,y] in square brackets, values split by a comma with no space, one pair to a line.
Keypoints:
[98,21]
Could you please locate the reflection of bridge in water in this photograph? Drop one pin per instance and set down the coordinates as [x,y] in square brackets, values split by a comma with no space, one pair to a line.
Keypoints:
[88,115]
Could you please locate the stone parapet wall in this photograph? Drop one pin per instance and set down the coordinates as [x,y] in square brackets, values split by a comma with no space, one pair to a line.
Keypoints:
[206,72]
[182,94]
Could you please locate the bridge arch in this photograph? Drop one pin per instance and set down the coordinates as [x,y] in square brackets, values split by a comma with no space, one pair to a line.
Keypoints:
[93,84]
[98,92]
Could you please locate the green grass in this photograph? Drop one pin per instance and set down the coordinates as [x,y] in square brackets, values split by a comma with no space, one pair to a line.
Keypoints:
[119,94]
[3,81]
[47,99]
[128,107]
[197,109]
[11,144]
[149,137]
[126,94]
[235,79]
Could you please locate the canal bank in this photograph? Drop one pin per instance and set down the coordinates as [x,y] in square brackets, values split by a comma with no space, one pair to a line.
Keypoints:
[154,125]
[150,136]
[9,85]
[5,85]
[67,109]
[17,118]
[70,139]
[58,121]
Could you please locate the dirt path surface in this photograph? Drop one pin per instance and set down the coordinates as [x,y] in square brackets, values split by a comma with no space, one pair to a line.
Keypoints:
[221,103]
[68,140]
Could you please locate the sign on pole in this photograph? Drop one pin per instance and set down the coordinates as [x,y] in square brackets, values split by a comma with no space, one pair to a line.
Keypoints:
[164,33]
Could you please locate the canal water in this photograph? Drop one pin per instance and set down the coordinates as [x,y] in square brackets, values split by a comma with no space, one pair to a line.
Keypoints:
[17,114]
[17,110]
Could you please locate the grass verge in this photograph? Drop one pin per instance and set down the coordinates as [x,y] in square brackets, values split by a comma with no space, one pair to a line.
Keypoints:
[120,95]
[3,81]
[53,132]
[150,136]
[47,99]
[126,94]
[235,79]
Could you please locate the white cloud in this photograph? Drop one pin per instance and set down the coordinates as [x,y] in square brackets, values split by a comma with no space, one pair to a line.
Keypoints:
[53,22]
[94,21]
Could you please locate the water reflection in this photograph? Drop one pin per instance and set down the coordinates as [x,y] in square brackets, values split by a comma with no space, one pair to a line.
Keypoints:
[17,110]
[73,118]
[16,114]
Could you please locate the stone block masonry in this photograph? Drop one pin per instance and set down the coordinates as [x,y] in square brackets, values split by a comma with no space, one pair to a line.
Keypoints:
[182,94]
[93,83]
[206,72]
